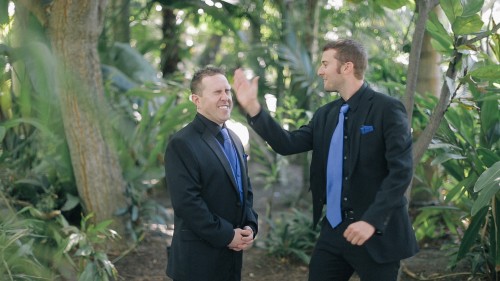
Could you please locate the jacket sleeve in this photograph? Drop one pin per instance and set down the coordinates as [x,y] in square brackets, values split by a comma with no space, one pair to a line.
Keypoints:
[281,141]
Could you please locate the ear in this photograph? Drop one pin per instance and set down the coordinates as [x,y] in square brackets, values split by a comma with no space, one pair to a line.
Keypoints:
[195,99]
[348,67]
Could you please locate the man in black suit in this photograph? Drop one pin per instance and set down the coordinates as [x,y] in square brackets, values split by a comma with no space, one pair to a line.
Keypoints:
[375,231]
[212,200]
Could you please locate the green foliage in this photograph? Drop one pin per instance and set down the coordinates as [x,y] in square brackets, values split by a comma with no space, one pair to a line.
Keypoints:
[18,257]
[87,245]
[487,186]
[35,165]
[466,151]
[467,143]
[143,118]
[33,142]
[292,236]
[36,247]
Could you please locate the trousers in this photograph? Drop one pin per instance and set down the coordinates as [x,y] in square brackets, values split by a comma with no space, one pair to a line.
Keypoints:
[336,259]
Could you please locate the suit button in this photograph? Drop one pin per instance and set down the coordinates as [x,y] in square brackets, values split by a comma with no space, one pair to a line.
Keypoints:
[238,204]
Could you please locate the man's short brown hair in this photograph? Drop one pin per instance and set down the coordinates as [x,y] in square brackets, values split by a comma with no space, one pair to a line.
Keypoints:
[208,70]
[350,51]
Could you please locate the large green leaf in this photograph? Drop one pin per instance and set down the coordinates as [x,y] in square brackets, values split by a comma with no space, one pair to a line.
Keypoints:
[487,72]
[439,33]
[441,158]
[467,25]
[2,132]
[470,235]
[471,7]
[452,9]
[4,11]
[487,156]
[490,122]
[495,234]
[132,63]
[392,4]
[488,184]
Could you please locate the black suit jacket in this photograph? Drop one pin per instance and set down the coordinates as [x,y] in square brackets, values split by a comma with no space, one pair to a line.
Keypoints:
[206,204]
[379,169]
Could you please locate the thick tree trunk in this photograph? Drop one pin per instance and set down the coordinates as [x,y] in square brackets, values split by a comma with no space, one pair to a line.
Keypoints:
[74,28]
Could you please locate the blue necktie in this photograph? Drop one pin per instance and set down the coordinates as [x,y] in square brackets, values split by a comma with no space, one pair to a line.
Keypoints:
[233,159]
[334,172]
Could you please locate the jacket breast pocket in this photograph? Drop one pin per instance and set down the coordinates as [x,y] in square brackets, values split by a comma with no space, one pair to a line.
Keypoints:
[371,148]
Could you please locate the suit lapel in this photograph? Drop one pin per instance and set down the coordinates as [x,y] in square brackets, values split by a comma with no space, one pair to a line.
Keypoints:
[217,149]
[241,154]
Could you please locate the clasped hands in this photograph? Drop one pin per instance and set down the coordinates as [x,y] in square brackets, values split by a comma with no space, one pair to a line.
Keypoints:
[242,240]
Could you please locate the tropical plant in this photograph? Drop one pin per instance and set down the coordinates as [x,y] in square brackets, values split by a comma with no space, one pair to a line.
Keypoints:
[89,245]
[17,251]
[292,236]
[469,134]
[466,149]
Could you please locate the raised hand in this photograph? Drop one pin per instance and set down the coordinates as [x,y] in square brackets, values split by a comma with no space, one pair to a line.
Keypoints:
[246,92]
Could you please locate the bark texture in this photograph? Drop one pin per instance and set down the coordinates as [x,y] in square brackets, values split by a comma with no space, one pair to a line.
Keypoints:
[73,27]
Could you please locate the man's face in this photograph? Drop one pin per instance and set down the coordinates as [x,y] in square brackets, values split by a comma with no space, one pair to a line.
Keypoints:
[215,101]
[331,71]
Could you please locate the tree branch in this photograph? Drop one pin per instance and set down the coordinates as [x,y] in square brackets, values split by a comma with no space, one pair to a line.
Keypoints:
[420,146]
[424,8]
[483,35]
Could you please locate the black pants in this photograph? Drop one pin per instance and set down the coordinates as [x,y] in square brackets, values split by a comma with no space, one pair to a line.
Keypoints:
[336,259]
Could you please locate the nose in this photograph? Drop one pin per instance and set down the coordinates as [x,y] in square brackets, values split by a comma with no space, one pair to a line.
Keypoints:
[320,71]
[226,96]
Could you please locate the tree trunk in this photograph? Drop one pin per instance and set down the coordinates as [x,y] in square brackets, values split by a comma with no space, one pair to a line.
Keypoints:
[74,28]
[211,49]
[170,53]
[429,73]
[428,83]
[424,7]
[120,25]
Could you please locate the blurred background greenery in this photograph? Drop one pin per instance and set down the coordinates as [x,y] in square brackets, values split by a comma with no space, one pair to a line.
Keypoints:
[91,91]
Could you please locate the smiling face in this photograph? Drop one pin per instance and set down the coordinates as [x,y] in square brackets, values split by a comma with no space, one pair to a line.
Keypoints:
[213,99]
[331,71]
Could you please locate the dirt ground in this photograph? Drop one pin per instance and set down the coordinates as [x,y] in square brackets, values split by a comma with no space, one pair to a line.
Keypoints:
[147,262]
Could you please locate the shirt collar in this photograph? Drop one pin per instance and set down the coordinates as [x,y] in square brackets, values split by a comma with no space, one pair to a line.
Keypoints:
[213,127]
[355,99]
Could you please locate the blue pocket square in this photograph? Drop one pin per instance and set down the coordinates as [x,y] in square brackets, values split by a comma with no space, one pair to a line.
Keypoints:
[366,129]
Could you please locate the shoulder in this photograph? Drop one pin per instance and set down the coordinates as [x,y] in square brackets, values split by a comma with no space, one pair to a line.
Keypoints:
[324,109]
[185,137]
[184,133]
[382,99]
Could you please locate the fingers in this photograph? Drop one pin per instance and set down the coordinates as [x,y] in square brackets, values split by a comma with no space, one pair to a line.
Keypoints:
[239,79]
[359,232]
[243,239]
[255,81]
[242,83]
